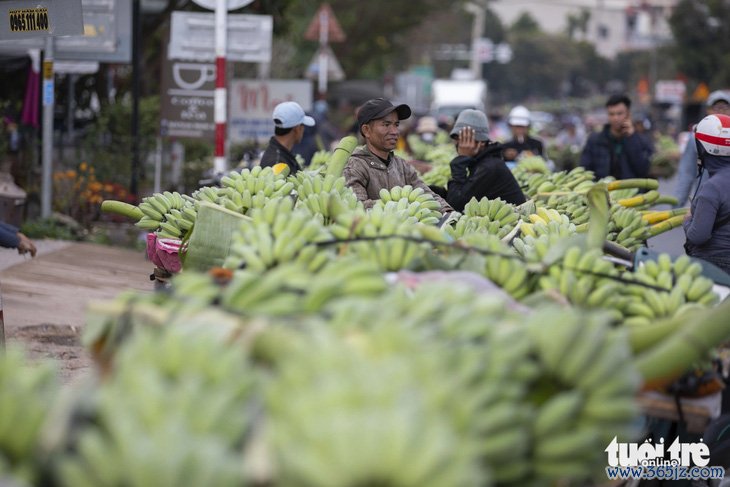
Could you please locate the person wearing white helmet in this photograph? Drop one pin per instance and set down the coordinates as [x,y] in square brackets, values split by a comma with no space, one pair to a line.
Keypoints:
[617,150]
[687,174]
[707,225]
[521,144]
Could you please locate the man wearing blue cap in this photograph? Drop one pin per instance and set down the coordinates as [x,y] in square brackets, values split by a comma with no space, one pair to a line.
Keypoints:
[289,122]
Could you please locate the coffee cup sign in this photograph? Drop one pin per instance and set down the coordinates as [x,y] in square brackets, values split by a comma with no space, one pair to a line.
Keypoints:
[188,99]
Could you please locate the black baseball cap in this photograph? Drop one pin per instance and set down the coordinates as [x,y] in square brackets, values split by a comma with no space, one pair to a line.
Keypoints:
[379,108]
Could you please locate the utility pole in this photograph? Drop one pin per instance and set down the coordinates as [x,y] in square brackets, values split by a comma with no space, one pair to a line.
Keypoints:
[477,32]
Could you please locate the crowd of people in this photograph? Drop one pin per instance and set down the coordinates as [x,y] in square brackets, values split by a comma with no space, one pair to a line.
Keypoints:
[622,148]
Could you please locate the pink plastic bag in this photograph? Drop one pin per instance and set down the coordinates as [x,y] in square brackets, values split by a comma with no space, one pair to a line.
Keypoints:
[164,252]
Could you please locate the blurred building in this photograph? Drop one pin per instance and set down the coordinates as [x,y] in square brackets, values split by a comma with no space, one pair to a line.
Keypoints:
[612,26]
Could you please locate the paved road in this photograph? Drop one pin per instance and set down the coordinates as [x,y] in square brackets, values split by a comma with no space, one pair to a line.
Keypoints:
[44,299]
[671,242]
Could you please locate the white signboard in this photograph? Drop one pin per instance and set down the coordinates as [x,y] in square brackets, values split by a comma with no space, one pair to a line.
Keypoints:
[252,103]
[192,37]
[670,91]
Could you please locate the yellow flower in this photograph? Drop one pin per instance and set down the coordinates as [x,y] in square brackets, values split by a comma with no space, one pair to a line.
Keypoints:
[70,173]
[82,166]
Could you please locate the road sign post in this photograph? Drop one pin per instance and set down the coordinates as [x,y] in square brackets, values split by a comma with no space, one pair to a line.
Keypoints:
[324,28]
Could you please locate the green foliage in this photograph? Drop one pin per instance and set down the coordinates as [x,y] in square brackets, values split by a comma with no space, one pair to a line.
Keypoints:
[702,40]
[53,228]
[108,145]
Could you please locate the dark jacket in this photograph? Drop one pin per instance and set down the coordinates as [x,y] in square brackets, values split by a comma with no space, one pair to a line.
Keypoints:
[484,175]
[708,229]
[529,144]
[276,153]
[366,174]
[623,158]
[8,236]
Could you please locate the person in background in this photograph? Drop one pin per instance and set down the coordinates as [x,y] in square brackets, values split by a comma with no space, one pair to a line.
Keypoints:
[427,128]
[479,170]
[289,123]
[707,225]
[521,144]
[617,150]
[374,166]
[11,238]
[687,171]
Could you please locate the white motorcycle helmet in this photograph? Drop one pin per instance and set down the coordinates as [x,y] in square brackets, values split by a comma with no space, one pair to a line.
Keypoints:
[712,135]
[519,116]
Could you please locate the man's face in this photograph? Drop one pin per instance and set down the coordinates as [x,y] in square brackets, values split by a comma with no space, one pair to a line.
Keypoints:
[720,108]
[382,134]
[618,115]
[299,132]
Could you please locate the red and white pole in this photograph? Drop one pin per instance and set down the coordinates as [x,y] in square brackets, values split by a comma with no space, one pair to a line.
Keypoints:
[324,29]
[221,33]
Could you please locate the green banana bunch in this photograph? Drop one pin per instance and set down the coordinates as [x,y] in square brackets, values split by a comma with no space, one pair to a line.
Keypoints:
[278,233]
[627,228]
[391,253]
[573,205]
[26,396]
[491,216]
[439,175]
[584,278]
[164,213]
[169,414]
[538,238]
[502,266]
[589,364]
[319,159]
[416,202]
[310,182]
[675,286]
[330,204]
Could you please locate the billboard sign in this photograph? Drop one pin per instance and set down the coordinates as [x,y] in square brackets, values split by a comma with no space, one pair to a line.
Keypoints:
[188,91]
[253,101]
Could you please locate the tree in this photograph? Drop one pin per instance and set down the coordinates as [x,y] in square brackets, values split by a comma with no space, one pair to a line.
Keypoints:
[702,40]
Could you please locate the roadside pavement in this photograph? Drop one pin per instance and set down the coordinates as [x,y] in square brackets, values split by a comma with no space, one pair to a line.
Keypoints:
[44,299]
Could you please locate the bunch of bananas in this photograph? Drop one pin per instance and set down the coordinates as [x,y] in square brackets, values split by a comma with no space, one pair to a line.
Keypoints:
[439,175]
[374,433]
[278,233]
[292,289]
[171,215]
[586,366]
[169,414]
[584,278]
[664,288]
[415,202]
[495,217]
[548,227]
[257,180]
[330,205]
[379,231]
[573,205]
[535,180]
[501,265]
[26,396]
[310,182]
[319,159]
[627,228]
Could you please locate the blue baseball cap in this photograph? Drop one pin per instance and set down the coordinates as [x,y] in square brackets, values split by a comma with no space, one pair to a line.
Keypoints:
[289,114]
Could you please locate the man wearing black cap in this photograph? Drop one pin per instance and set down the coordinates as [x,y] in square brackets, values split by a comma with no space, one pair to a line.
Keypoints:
[373,166]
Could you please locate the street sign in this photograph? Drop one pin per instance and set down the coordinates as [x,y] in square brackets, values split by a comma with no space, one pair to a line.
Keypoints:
[334,69]
[230,4]
[670,91]
[24,19]
[252,103]
[105,35]
[192,37]
[188,90]
[327,16]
